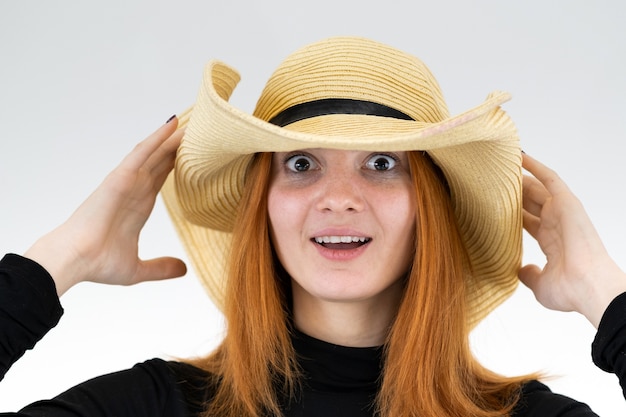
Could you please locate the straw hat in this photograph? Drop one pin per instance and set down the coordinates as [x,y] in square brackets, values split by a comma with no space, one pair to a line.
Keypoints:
[353,94]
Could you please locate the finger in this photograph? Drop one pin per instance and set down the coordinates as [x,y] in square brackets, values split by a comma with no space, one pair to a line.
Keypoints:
[535,279]
[534,195]
[144,149]
[531,223]
[162,160]
[529,275]
[549,178]
[159,269]
[163,164]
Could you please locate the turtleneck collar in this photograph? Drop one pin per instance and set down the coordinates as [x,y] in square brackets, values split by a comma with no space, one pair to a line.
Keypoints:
[329,367]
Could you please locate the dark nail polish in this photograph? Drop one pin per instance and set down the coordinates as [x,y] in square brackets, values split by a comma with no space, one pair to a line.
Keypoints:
[170,119]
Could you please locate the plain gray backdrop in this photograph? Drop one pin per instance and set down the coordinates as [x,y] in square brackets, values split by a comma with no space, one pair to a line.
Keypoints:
[81,82]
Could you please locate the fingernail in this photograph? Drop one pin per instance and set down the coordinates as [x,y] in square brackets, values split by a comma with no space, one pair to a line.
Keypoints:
[523,151]
[170,119]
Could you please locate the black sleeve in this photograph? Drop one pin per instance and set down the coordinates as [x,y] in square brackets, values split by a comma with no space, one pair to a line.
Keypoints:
[608,353]
[609,347]
[29,307]
[538,401]
[154,388]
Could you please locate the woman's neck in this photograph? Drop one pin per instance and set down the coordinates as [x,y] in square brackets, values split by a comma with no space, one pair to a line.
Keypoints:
[363,323]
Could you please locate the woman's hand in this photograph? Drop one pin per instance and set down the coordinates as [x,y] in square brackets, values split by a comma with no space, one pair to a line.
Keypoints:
[579,274]
[99,242]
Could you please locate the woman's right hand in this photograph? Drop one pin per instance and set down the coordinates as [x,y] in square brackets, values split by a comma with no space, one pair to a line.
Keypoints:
[99,241]
[579,275]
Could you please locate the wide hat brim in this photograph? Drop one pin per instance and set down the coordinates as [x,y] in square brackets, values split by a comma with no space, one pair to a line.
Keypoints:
[477,150]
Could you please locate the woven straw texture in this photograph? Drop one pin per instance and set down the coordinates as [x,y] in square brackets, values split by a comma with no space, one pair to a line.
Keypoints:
[478,151]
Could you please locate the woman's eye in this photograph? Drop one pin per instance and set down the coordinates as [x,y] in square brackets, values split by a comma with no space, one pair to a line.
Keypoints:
[381,162]
[300,163]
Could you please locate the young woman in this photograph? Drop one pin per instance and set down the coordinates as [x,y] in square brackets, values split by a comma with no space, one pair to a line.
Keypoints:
[352,232]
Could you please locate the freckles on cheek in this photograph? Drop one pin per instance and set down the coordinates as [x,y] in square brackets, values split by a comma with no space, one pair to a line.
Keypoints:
[273,213]
[282,213]
[275,233]
[284,227]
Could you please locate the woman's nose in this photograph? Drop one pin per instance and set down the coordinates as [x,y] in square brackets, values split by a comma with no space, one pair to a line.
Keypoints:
[340,192]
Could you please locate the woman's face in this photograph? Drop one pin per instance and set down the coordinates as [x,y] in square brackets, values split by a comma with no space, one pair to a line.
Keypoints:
[342,222]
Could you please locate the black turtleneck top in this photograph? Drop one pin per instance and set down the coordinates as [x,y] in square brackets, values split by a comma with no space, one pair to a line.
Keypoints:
[337,380]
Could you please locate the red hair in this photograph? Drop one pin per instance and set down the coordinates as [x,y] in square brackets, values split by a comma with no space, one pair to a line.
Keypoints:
[429,369]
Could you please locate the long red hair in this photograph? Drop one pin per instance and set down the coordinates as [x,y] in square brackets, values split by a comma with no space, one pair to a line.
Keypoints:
[429,369]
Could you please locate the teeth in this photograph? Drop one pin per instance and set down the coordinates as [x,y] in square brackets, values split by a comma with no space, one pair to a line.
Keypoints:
[340,239]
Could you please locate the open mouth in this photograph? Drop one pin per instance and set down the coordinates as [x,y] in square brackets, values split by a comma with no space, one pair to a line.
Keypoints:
[341,242]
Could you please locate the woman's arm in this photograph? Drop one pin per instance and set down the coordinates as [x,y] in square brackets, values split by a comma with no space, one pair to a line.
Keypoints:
[99,243]
[29,307]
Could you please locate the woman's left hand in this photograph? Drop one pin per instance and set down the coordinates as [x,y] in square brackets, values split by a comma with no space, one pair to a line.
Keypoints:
[99,242]
[579,275]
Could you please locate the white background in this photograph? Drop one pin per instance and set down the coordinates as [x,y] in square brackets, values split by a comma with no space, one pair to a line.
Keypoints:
[82,82]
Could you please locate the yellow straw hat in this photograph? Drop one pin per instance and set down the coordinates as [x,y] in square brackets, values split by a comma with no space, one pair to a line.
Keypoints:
[352,94]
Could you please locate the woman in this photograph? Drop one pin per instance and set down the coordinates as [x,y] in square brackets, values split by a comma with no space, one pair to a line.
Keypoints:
[353,234]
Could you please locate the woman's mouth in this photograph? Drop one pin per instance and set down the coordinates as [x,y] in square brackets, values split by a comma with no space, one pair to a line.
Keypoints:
[341,242]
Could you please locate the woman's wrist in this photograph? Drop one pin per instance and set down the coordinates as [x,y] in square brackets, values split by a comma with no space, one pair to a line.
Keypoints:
[607,285]
[58,259]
